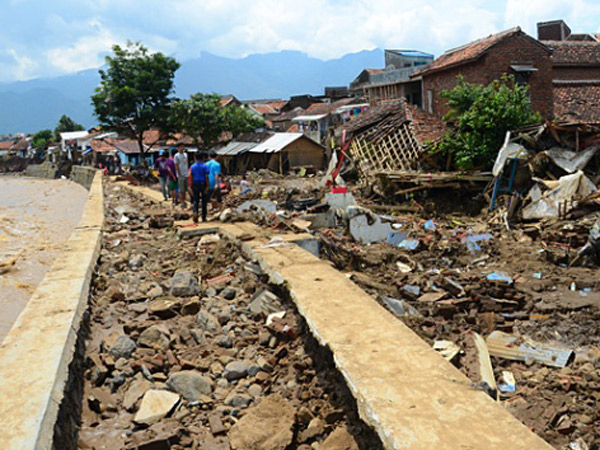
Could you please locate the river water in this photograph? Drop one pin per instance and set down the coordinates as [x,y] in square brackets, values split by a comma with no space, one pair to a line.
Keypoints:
[36,218]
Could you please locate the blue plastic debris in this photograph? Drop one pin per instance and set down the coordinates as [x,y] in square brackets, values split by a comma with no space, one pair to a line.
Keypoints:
[409,244]
[537,275]
[429,225]
[500,276]
[473,239]
[395,238]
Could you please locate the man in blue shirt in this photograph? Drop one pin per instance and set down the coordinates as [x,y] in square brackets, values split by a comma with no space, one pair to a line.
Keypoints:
[199,179]
[214,179]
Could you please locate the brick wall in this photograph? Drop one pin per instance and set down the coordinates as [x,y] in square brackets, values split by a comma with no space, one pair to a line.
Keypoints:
[513,50]
[576,73]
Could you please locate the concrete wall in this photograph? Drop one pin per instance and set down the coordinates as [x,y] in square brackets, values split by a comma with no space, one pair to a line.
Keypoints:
[38,354]
[44,170]
[83,175]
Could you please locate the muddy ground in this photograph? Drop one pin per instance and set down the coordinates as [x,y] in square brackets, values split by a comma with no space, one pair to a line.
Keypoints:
[184,351]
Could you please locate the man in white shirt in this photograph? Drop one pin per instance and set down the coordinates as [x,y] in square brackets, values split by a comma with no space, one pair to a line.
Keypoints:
[181,166]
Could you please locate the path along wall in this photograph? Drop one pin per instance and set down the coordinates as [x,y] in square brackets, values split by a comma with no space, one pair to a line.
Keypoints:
[38,352]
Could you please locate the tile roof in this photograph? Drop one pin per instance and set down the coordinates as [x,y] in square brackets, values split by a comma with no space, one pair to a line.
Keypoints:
[470,52]
[278,105]
[6,145]
[127,146]
[326,108]
[384,118]
[101,146]
[22,144]
[577,102]
[263,109]
[374,71]
[294,128]
[152,136]
[574,52]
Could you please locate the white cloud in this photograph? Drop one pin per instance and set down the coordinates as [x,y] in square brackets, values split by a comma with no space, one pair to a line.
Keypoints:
[68,35]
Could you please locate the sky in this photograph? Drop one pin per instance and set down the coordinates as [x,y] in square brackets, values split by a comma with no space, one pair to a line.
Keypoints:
[52,37]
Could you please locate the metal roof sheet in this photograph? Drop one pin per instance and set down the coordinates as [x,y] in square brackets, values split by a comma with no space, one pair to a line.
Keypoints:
[236,148]
[308,118]
[276,143]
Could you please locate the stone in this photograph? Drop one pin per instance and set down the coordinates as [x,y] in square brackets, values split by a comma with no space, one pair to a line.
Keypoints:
[136,261]
[236,400]
[315,428]
[255,390]
[236,370]
[304,416]
[251,205]
[263,302]
[225,341]
[339,439]
[136,390]
[155,405]
[228,293]
[165,308]
[208,322]
[190,384]
[191,307]
[266,426]
[155,338]
[184,284]
[225,215]
[155,291]
[263,337]
[216,424]
[123,347]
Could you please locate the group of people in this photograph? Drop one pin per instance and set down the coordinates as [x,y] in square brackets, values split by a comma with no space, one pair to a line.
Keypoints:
[202,179]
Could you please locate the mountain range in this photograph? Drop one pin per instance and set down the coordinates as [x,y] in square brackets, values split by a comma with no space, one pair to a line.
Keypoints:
[28,106]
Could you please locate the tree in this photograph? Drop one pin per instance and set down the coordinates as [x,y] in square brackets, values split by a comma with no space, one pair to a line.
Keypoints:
[65,123]
[204,119]
[481,116]
[135,91]
[41,138]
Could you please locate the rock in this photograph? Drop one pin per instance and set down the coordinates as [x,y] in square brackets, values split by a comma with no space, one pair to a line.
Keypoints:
[236,370]
[191,307]
[225,341]
[264,337]
[228,293]
[216,424]
[155,291]
[253,370]
[208,322]
[165,308]
[136,261]
[315,428]
[210,292]
[236,400]
[225,216]
[263,303]
[136,390]
[155,405]
[155,338]
[304,416]
[184,284]
[340,439]
[267,426]
[223,318]
[123,347]
[255,390]
[209,239]
[190,384]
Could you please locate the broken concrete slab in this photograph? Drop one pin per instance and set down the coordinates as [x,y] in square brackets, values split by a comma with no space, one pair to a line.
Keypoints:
[341,200]
[265,205]
[366,227]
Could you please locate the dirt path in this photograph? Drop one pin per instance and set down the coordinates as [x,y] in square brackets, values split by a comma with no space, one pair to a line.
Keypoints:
[36,217]
[184,351]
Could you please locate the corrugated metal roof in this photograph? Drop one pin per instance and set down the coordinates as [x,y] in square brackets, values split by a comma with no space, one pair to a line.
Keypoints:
[236,148]
[276,143]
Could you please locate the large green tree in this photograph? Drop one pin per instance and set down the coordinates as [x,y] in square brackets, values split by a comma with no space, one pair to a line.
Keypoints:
[135,91]
[202,118]
[481,116]
[41,139]
[65,123]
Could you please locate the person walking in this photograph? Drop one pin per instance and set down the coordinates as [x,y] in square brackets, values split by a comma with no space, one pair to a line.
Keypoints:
[199,176]
[214,180]
[181,165]
[163,176]
[172,176]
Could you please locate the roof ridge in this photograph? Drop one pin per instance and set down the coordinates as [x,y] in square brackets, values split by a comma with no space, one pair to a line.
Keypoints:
[483,39]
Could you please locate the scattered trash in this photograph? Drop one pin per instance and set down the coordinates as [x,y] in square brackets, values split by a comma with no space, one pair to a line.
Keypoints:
[472,241]
[124,219]
[508,383]
[486,372]
[429,225]
[537,275]
[503,345]
[209,239]
[275,315]
[500,276]
[409,244]
[404,268]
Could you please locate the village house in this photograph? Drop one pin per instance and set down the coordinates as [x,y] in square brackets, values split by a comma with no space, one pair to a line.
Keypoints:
[576,72]
[484,60]
[395,80]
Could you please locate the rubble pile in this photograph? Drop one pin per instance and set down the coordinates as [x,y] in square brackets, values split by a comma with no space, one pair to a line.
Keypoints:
[190,347]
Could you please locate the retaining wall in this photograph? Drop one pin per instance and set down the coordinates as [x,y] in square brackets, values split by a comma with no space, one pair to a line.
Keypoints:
[39,351]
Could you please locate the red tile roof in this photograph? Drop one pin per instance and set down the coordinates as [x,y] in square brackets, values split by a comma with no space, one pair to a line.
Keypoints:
[428,127]
[6,145]
[278,105]
[470,52]
[263,108]
[326,108]
[583,53]
[101,146]
[577,101]
[295,128]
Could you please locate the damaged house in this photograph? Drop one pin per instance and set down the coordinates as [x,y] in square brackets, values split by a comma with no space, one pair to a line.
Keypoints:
[278,152]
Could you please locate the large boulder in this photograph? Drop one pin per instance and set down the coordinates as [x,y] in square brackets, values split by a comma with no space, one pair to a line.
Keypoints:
[267,426]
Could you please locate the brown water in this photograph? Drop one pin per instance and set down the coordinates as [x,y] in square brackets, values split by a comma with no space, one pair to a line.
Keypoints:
[36,218]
